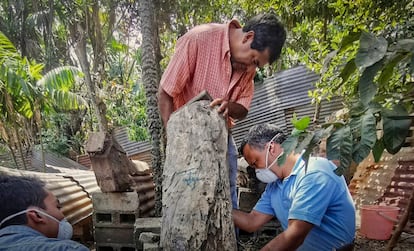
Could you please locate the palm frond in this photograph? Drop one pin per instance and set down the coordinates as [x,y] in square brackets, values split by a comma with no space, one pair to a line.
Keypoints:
[61,78]
[57,85]
[7,49]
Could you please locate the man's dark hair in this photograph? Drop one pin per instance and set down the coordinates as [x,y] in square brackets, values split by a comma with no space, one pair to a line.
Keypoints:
[259,135]
[17,193]
[269,33]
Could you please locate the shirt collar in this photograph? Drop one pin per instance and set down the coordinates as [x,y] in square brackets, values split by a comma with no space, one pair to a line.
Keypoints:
[230,25]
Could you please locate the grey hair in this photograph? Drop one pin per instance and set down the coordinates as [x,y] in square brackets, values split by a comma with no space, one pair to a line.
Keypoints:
[259,135]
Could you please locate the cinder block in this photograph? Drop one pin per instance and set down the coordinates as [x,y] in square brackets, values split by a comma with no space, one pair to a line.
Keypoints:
[114,219]
[126,201]
[114,235]
[146,225]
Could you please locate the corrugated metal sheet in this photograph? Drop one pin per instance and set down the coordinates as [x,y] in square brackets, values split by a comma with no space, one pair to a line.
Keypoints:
[134,149]
[279,97]
[33,160]
[145,187]
[71,187]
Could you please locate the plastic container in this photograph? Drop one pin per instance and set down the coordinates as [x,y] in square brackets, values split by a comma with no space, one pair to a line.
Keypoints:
[377,221]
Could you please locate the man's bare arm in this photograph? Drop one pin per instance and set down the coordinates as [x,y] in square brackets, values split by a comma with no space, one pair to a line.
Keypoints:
[291,238]
[250,222]
[166,106]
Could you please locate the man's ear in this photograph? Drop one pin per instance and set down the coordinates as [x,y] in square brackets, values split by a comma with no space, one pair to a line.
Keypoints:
[33,216]
[274,147]
[248,36]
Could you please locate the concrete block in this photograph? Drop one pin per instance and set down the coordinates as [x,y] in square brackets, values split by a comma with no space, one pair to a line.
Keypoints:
[146,225]
[114,235]
[114,219]
[126,201]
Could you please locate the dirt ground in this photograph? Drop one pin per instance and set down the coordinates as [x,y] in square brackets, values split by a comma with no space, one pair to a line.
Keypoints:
[253,242]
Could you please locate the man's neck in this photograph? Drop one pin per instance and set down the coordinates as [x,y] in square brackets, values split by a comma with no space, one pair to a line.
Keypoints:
[289,164]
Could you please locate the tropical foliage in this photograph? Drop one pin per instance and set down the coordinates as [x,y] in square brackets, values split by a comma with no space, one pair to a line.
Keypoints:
[377,119]
[27,96]
[331,37]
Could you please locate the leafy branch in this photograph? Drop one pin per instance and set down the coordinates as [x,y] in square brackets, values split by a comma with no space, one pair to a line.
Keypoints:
[378,117]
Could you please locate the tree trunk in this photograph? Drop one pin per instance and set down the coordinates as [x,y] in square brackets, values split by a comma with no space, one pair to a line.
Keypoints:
[196,196]
[78,39]
[150,78]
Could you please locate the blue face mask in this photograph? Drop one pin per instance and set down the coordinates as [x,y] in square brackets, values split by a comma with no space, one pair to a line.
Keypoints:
[266,175]
[65,228]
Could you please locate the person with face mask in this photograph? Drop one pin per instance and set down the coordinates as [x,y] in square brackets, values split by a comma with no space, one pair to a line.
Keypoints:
[30,217]
[314,207]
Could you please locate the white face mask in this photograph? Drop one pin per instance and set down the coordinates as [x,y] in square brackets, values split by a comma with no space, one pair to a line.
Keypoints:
[266,175]
[65,228]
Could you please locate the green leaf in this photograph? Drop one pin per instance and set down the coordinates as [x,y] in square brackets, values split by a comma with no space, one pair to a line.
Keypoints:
[378,149]
[388,69]
[339,146]
[396,127]
[296,132]
[305,143]
[301,124]
[371,50]
[349,40]
[289,145]
[348,70]
[405,45]
[367,88]
[368,138]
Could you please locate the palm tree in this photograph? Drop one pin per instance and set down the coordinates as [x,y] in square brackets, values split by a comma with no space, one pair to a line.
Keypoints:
[151,77]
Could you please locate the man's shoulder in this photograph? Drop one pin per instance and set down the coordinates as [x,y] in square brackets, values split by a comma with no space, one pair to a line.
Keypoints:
[210,28]
[23,238]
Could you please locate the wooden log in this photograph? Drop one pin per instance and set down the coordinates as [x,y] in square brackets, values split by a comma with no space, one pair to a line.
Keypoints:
[109,163]
[196,203]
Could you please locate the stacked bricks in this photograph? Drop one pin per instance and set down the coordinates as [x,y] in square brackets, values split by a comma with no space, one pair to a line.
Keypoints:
[114,217]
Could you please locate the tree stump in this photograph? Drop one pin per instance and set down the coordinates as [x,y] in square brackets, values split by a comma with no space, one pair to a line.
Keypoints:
[196,202]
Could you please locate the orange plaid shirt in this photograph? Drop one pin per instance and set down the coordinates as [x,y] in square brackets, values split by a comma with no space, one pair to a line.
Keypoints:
[202,62]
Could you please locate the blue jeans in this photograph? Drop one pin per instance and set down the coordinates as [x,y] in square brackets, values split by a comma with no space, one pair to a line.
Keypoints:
[232,157]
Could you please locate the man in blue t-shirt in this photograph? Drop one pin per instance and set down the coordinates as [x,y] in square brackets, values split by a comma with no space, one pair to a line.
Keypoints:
[314,207]
[31,219]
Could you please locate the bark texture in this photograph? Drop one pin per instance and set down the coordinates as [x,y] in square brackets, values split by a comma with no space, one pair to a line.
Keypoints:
[150,79]
[196,190]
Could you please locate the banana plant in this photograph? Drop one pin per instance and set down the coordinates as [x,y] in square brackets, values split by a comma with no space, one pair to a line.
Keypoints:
[27,94]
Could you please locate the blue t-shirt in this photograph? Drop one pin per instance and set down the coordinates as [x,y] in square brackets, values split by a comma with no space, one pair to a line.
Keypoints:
[318,196]
[24,238]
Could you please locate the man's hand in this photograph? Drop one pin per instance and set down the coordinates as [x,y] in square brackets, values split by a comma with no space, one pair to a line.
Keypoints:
[223,106]
[231,109]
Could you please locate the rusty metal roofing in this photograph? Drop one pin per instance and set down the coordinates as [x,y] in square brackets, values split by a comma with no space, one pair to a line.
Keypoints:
[71,187]
[33,161]
[279,97]
[137,150]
